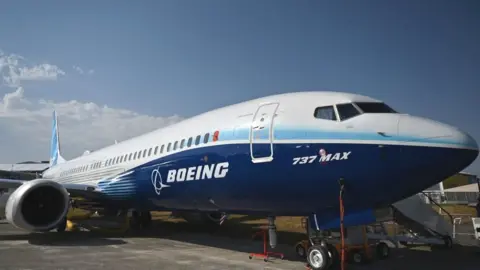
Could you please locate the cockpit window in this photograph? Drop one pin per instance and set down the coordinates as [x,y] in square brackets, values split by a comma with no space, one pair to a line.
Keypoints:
[327,113]
[346,111]
[374,107]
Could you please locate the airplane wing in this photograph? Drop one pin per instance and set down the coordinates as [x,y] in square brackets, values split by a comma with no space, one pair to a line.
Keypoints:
[10,183]
[75,190]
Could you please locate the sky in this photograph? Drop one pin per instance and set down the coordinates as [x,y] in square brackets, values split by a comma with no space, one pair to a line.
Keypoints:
[117,69]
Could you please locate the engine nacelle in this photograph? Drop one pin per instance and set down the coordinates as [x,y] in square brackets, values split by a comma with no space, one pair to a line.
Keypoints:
[38,205]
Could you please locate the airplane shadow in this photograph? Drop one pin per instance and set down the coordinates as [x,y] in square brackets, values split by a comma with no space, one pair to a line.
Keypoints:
[235,235]
[73,239]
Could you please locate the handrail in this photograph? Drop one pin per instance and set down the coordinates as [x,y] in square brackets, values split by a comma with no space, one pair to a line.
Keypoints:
[437,204]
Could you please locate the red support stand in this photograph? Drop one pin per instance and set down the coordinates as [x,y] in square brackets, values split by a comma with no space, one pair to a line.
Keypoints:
[266,254]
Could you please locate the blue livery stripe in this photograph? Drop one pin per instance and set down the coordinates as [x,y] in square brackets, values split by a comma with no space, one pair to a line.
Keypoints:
[299,133]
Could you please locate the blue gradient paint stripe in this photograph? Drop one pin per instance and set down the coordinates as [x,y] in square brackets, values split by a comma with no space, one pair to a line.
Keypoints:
[293,133]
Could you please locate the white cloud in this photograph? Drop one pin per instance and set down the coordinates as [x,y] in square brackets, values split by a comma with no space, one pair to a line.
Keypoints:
[14,70]
[81,71]
[25,124]
[78,69]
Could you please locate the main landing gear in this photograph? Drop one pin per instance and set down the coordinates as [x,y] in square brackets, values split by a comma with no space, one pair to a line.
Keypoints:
[63,225]
[272,236]
[139,219]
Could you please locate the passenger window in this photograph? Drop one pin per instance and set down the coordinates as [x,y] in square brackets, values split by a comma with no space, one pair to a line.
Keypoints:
[161,148]
[150,152]
[120,160]
[175,145]
[130,156]
[169,146]
[346,111]
[327,113]
[145,153]
[156,150]
[189,143]
[197,140]
[205,139]
[182,143]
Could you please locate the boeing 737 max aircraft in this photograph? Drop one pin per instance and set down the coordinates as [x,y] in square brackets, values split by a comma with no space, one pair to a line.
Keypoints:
[277,155]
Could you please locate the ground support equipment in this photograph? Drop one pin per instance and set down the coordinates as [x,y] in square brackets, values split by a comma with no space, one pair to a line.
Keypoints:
[266,254]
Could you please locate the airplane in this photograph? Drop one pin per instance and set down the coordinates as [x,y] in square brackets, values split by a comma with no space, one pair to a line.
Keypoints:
[279,155]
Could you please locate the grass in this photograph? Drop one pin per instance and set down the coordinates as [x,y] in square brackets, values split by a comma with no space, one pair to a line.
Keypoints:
[458,209]
[289,229]
[465,212]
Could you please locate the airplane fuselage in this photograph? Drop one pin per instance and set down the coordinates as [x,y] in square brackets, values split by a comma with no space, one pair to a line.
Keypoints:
[279,155]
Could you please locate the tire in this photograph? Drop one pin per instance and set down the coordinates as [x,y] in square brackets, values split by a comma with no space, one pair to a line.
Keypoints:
[448,242]
[146,219]
[382,250]
[63,225]
[300,250]
[357,257]
[334,256]
[135,220]
[317,257]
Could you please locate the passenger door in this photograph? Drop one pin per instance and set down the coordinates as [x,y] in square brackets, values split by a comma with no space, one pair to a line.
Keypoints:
[261,132]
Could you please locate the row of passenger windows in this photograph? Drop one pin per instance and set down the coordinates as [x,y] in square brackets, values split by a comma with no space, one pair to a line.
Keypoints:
[144,153]
[348,110]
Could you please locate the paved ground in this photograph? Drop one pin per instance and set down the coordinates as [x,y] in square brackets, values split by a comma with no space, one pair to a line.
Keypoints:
[174,250]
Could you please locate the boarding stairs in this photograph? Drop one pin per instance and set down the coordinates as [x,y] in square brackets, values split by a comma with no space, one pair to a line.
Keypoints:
[420,223]
[415,222]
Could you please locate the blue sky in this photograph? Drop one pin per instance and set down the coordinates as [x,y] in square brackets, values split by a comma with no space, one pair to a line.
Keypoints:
[162,58]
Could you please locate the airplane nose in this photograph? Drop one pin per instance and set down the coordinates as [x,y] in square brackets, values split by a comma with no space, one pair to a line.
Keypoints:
[426,130]
[433,151]
[464,139]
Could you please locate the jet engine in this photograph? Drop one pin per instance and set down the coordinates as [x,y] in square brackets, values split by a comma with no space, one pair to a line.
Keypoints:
[38,205]
[210,218]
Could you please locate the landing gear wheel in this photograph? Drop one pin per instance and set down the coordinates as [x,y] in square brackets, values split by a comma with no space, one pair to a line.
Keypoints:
[357,257]
[135,221]
[63,225]
[317,257]
[383,251]
[334,256]
[448,242]
[300,250]
[140,219]
[146,219]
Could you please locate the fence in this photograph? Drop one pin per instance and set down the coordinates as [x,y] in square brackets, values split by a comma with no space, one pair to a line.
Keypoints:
[450,197]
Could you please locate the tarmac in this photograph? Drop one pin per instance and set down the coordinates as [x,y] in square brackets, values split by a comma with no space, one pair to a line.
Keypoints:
[163,249]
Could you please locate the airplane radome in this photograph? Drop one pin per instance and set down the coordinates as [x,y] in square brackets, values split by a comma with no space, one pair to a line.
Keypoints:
[277,155]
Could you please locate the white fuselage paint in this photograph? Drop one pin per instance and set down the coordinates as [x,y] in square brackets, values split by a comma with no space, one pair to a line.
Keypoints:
[294,110]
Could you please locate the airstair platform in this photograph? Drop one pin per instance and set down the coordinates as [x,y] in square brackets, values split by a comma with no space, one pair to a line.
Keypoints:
[418,222]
